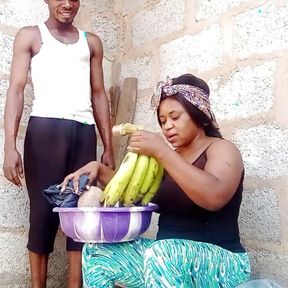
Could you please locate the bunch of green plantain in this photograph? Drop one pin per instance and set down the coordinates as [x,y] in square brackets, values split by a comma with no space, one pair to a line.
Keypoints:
[135,183]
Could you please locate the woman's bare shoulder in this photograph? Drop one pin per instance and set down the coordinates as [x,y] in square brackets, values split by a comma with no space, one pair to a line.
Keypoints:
[224,147]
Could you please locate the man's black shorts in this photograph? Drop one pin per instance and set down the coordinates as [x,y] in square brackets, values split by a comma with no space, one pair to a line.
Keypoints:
[53,148]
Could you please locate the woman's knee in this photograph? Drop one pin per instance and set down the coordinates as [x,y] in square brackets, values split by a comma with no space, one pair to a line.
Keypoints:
[159,248]
[151,252]
[157,254]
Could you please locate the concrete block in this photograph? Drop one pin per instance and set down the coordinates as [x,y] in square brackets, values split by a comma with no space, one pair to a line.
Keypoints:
[261,30]
[191,53]
[97,5]
[247,92]
[107,28]
[15,285]
[13,255]
[57,266]
[131,5]
[143,114]
[166,17]
[6,48]
[19,13]
[206,9]
[259,216]
[141,68]
[107,71]
[3,91]
[264,150]
[269,265]
[14,205]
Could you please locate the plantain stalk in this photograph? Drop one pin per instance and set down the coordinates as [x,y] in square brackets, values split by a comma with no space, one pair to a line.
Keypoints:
[125,129]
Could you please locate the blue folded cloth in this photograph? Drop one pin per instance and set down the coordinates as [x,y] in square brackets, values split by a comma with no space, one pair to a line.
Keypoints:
[67,198]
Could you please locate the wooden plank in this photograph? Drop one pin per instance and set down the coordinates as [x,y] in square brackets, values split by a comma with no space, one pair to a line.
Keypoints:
[125,114]
[114,93]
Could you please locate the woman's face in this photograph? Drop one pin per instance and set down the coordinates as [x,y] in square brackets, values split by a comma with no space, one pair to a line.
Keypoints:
[176,123]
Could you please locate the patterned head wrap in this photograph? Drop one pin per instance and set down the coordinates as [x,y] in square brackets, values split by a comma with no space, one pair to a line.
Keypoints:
[195,95]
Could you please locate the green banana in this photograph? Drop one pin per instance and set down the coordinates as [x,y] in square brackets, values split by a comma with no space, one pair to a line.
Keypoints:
[137,178]
[105,191]
[154,187]
[116,186]
[149,178]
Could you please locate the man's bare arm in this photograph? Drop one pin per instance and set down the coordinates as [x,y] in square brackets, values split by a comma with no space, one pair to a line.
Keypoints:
[99,100]
[22,51]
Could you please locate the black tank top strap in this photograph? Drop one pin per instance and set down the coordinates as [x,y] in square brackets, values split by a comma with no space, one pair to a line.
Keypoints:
[202,159]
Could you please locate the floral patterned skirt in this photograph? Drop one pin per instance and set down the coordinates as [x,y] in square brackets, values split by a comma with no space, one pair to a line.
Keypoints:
[163,263]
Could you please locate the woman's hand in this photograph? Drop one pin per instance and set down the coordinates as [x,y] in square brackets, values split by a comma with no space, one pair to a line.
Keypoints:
[147,143]
[91,170]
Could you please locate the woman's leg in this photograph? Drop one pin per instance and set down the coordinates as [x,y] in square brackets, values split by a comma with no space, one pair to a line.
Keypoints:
[104,264]
[183,263]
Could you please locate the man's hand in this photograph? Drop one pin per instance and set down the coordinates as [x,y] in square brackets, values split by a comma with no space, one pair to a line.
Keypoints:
[13,167]
[107,159]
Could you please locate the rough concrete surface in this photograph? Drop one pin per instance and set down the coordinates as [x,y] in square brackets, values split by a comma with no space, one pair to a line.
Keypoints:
[239,46]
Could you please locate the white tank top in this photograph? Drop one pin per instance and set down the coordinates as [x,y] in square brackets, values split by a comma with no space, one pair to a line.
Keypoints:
[61,79]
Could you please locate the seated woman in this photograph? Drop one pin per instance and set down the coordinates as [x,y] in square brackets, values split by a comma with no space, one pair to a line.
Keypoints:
[198,243]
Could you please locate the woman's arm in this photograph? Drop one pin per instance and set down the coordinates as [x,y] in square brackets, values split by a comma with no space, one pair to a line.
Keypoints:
[211,188]
[94,170]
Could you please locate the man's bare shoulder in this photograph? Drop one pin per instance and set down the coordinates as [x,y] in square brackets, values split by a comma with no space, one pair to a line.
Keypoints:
[27,34]
[93,36]
[28,38]
[28,31]
[95,44]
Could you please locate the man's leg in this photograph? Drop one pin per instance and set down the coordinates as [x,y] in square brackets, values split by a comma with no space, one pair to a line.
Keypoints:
[75,269]
[38,265]
[45,158]
[83,150]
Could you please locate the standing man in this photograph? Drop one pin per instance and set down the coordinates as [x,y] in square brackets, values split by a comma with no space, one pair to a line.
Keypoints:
[66,71]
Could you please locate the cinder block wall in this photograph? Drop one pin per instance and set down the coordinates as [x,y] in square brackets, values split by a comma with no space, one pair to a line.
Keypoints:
[239,47]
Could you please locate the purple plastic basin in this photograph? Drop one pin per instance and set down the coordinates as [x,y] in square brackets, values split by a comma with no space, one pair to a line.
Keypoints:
[105,224]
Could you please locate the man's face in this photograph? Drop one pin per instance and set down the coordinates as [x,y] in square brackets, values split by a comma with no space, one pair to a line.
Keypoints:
[63,10]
